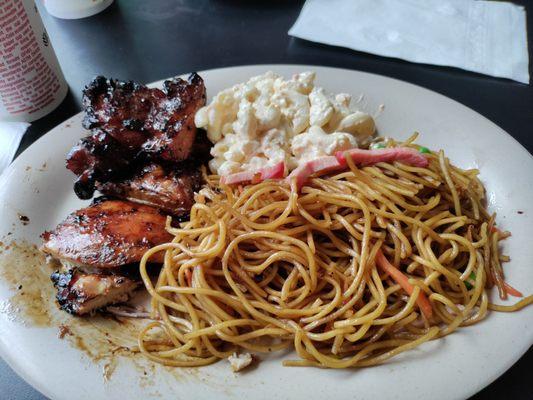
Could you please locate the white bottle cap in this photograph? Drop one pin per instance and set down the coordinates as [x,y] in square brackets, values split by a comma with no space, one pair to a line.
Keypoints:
[74,9]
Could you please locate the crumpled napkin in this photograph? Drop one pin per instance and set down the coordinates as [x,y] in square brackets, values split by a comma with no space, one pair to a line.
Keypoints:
[488,37]
[10,136]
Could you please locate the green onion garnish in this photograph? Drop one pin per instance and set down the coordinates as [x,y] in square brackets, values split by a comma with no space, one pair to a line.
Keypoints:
[471,277]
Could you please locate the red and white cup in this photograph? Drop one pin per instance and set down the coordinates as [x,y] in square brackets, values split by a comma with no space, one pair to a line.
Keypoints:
[31,81]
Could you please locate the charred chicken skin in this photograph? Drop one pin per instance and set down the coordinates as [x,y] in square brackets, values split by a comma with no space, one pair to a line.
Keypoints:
[171,191]
[98,156]
[159,122]
[107,235]
[132,124]
[82,293]
[168,187]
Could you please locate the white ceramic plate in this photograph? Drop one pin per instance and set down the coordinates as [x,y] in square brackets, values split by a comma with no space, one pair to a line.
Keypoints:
[451,368]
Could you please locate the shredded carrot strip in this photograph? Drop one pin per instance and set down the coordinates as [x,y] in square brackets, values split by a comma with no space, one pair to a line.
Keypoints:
[403,281]
[503,234]
[188,276]
[511,290]
[256,178]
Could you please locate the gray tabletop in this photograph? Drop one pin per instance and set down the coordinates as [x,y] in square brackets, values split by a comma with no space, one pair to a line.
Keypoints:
[150,40]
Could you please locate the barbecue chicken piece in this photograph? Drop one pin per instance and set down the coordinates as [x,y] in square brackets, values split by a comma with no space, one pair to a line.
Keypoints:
[169,187]
[171,191]
[107,235]
[99,248]
[132,124]
[82,293]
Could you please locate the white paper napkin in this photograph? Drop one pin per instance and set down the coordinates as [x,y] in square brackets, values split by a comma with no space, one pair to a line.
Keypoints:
[482,36]
[10,135]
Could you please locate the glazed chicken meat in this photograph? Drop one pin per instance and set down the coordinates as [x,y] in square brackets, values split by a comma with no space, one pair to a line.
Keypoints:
[106,235]
[81,293]
[171,191]
[95,245]
[143,152]
[132,124]
[169,187]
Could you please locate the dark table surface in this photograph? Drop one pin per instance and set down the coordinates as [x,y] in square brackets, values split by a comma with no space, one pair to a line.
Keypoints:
[150,40]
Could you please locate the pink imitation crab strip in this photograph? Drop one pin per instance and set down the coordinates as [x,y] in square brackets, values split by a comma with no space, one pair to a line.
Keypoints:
[404,155]
[275,172]
[327,164]
[360,157]
[321,165]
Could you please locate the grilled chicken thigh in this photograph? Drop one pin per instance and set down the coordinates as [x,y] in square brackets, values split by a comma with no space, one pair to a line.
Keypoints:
[169,187]
[81,293]
[133,125]
[159,122]
[172,192]
[107,235]
[98,156]
[95,246]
